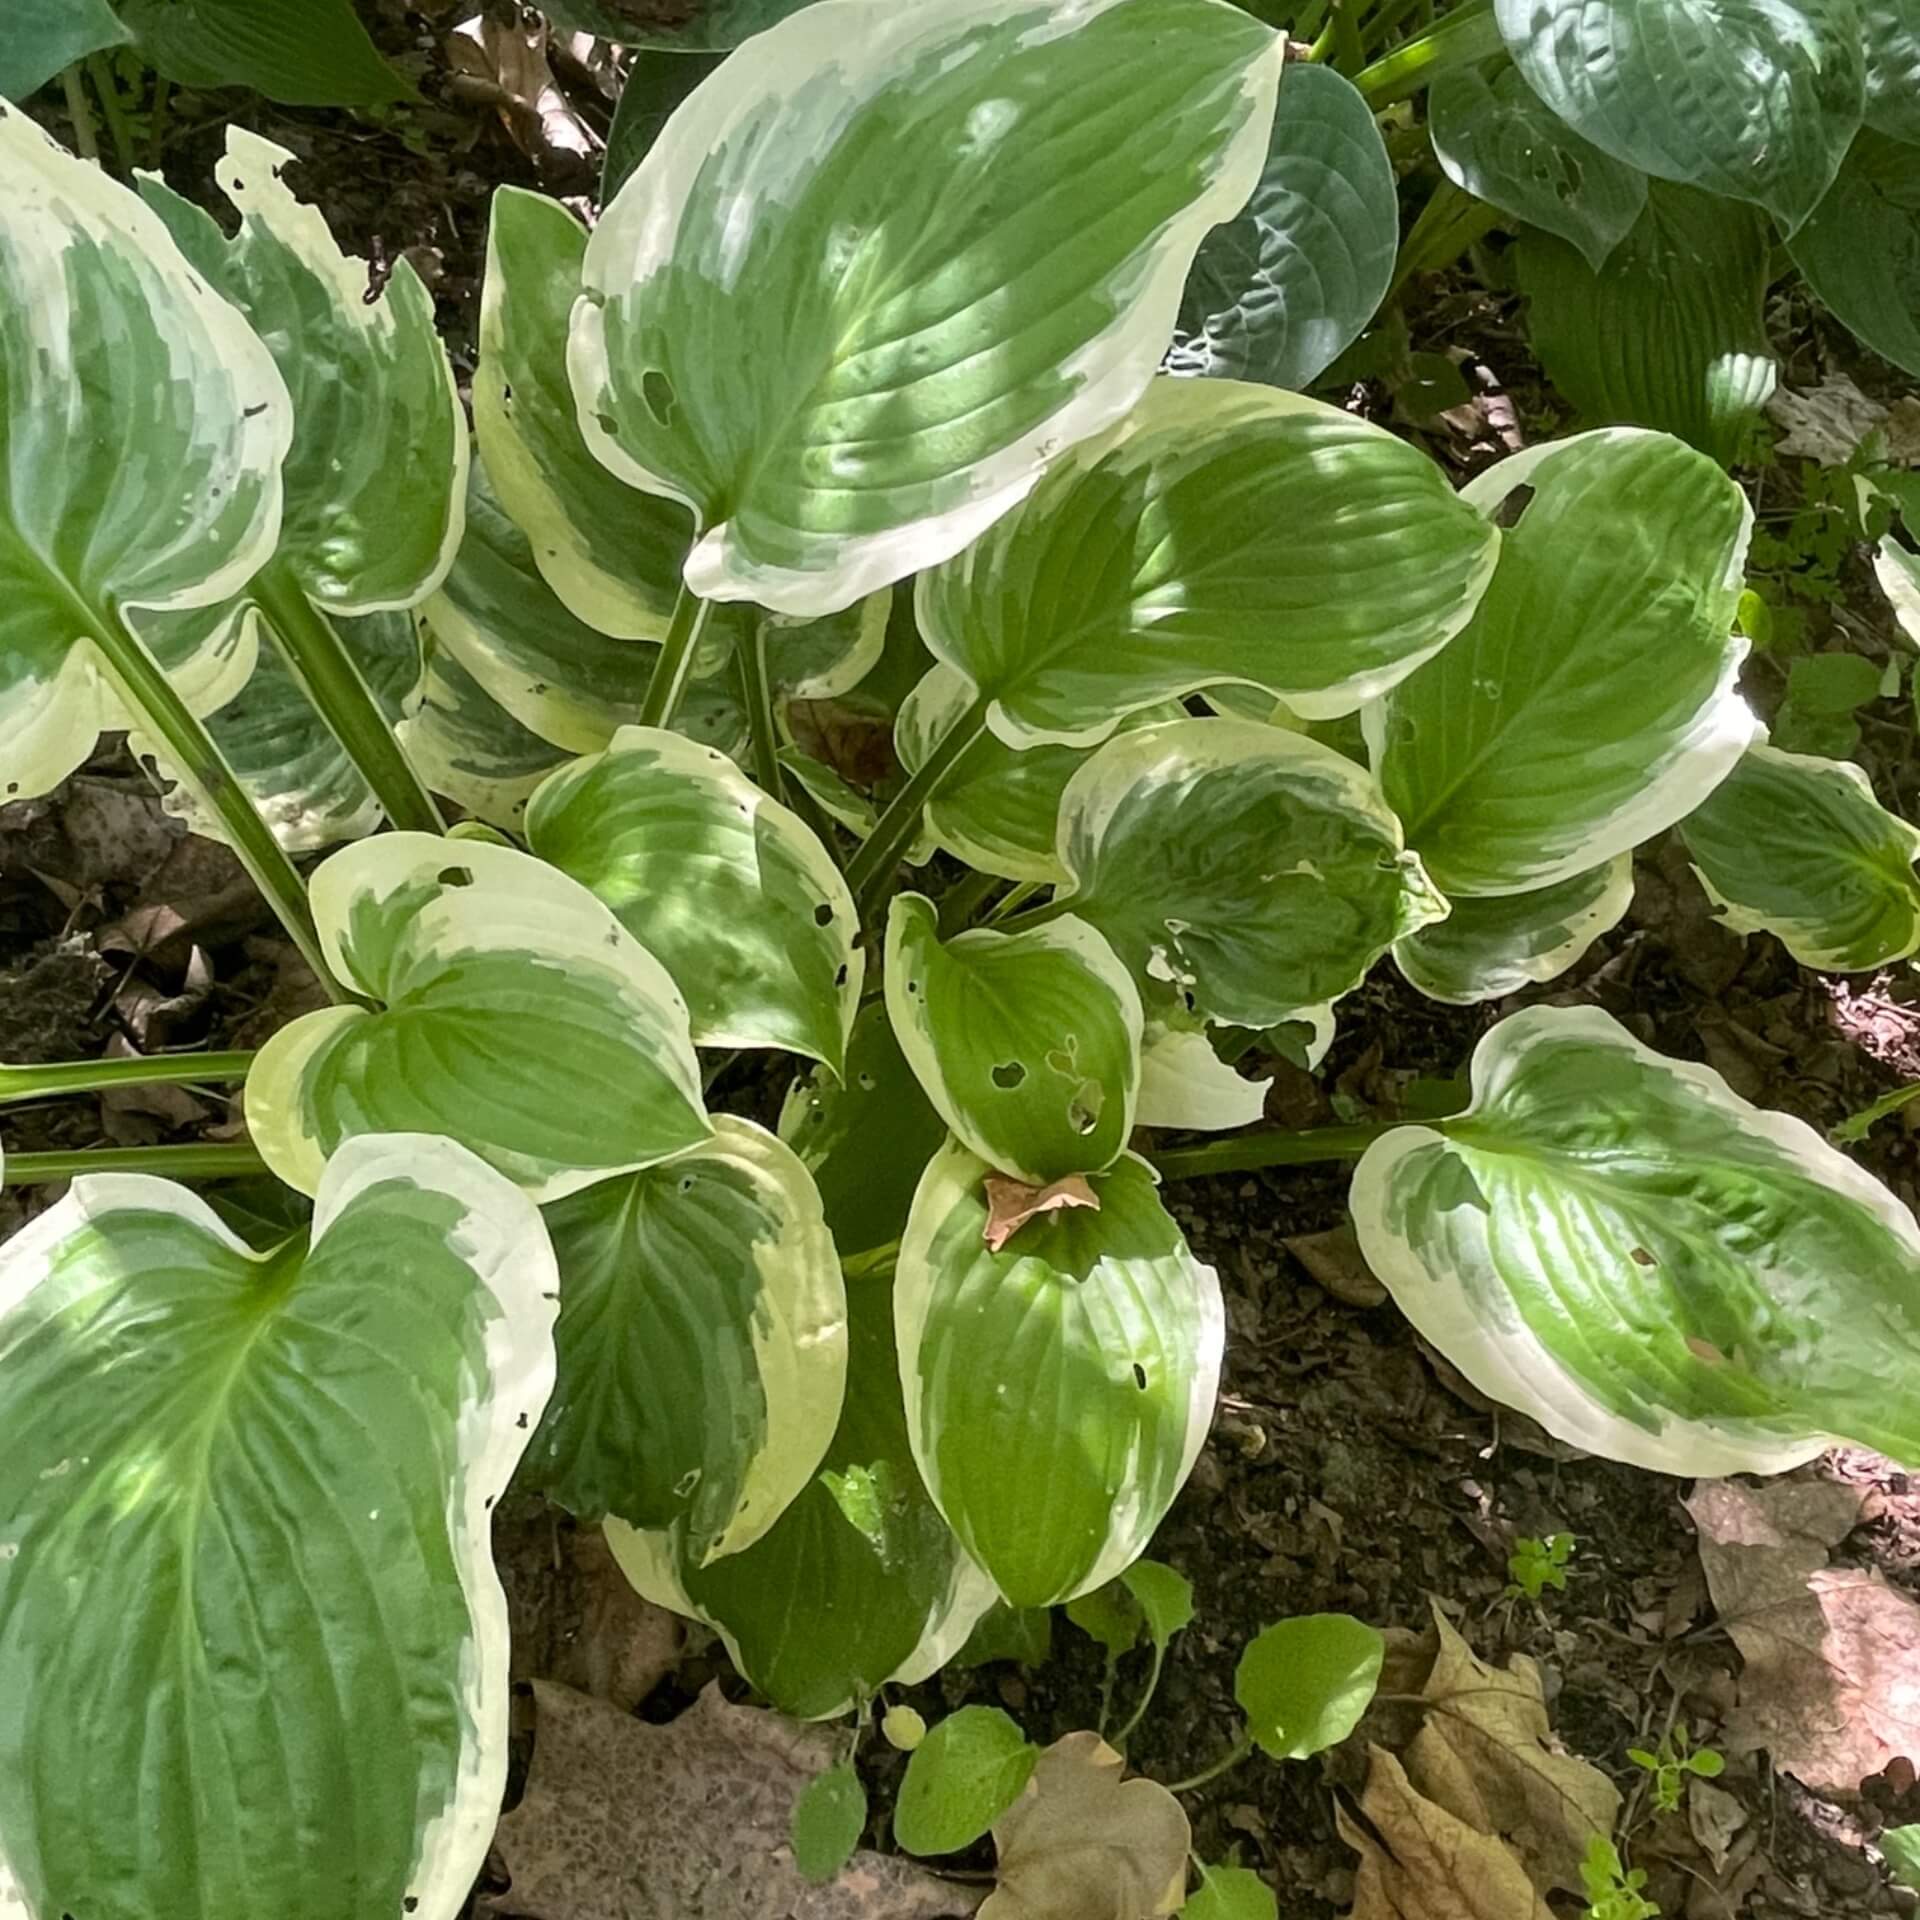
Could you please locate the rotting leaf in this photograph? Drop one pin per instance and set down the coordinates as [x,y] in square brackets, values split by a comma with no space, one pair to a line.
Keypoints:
[1012,1203]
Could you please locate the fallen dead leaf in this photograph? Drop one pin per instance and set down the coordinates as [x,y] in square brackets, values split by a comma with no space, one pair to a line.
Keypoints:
[1714,1816]
[1084,1843]
[1012,1203]
[505,67]
[1825,423]
[1334,1260]
[625,1820]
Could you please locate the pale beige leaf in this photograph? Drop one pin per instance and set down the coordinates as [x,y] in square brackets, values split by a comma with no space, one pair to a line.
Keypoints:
[1012,1203]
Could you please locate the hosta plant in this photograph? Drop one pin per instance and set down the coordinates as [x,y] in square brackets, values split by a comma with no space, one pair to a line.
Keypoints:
[737,1137]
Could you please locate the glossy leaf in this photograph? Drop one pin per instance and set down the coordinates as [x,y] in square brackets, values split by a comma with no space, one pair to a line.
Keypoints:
[961,1778]
[1617,1245]
[1893,68]
[1510,769]
[702,1343]
[517,1016]
[1255,870]
[1027,1044]
[1221,532]
[1304,1683]
[1057,1392]
[818,271]
[291,1480]
[1280,291]
[733,894]
[1185,1083]
[1897,569]
[1860,251]
[304,53]
[466,745]
[45,35]
[657,81]
[1799,847]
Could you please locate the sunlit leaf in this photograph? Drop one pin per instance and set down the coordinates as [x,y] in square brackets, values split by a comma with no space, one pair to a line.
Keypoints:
[1304,1683]
[467,746]
[966,1773]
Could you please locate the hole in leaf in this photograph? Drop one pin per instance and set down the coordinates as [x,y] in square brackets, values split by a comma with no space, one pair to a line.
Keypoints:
[455,876]
[866,1082]
[657,391]
[521,1423]
[823,915]
[686,1183]
[1508,512]
[1009,1074]
[1139,1376]
[411,1904]
[1643,1258]
[840,978]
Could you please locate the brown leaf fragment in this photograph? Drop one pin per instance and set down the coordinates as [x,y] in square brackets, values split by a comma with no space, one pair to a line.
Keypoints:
[505,67]
[1012,1203]
[1334,1260]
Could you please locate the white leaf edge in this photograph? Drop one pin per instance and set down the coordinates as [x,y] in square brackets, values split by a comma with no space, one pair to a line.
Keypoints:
[1184,1083]
[853,666]
[1898,573]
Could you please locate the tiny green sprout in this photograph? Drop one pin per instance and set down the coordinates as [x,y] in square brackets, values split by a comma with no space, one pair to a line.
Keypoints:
[1612,1892]
[1535,1565]
[1671,1762]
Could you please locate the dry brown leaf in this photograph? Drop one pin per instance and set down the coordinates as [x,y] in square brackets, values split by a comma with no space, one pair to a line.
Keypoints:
[1334,1259]
[1714,1817]
[1082,1843]
[505,67]
[624,1820]
[1012,1203]
[1419,1862]
[1825,423]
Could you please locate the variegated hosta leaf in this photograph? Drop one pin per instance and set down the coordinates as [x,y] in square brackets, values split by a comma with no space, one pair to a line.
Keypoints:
[1057,1392]
[469,747]
[284,1463]
[820,659]
[1591,702]
[732,893]
[1749,99]
[1670,332]
[1028,1044]
[1220,532]
[1495,944]
[1185,1083]
[1798,847]
[1619,1246]
[376,475]
[702,1343]
[110,341]
[1280,292]
[1496,139]
[888,261]
[610,552]
[1860,251]
[517,1016]
[1893,68]
[860,1582]
[1255,870]
[1897,569]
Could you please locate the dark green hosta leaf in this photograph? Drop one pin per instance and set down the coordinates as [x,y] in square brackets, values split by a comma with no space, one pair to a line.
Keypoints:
[466,745]
[1798,847]
[960,1779]
[1619,1246]
[1497,139]
[1221,532]
[1670,332]
[732,893]
[1750,99]
[860,1582]
[45,35]
[1304,1683]
[1057,1392]
[875,222]
[288,1486]
[1495,944]
[305,53]
[1255,870]
[691,24]
[1028,1044]
[517,1016]
[1893,68]
[702,1343]
[1279,292]
[1591,702]
[1860,251]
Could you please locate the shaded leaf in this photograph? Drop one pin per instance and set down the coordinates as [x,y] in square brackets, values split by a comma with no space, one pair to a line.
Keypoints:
[828,1820]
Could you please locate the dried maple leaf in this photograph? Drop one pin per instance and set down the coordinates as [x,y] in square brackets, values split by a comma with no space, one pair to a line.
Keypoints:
[1012,1203]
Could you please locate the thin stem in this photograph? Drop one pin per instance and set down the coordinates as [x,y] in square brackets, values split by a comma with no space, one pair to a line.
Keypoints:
[1469,34]
[101,72]
[750,669]
[1146,1699]
[1388,21]
[86,142]
[964,899]
[1241,1749]
[1035,916]
[91,1076]
[1308,19]
[204,1162]
[331,679]
[872,867]
[670,671]
[1446,227]
[1018,898]
[1349,56]
[1245,1151]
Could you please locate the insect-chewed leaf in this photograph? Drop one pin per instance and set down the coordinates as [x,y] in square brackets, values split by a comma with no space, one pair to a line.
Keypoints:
[1057,1392]
[1591,702]
[1280,292]
[1618,1245]
[1256,870]
[859,1582]
[1221,532]
[1670,332]
[610,552]
[1751,99]
[1028,1044]
[1798,847]
[1860,250]
[732,893]
[518,1017]
[887,261]
[1496,944]
[293,1467]
[1497,140]
[109,340]
[702,1343]
[466,745]
[1185,1083]
[1893,68]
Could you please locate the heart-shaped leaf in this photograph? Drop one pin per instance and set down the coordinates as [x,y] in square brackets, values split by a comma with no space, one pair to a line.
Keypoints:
[1860,251]
[1304,1683]
[1165,1598]
[962,1777]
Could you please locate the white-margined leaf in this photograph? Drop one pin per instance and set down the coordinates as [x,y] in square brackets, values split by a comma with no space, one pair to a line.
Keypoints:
[1256,871]
[732,893]
[887,261]
[1028,1044]
[1279,292]
[1057,1392]
[859,1583]
[1495,944]
[1496,139]
[820,659]
[1750,99]
[516,1015]
[1591,702]
[1221,532]
[110,341]
[1185,1083]
[1617,1245]
[1897,569]
[1798,847]
[288,1484]
[1893,68]
[702,1343]
[1860,251]
[466,745]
